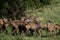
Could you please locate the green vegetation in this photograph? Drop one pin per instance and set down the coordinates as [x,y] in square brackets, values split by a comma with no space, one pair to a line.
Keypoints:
[9,36]
[43,9]
[45,13]
[16,8]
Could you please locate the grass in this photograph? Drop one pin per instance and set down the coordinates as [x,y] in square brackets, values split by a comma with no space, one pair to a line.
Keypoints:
[9,36]
[52,12]
[4,36]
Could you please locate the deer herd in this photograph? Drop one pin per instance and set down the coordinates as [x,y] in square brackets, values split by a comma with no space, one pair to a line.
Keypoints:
[28,25]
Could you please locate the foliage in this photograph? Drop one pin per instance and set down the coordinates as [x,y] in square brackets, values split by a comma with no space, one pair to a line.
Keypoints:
[15,8]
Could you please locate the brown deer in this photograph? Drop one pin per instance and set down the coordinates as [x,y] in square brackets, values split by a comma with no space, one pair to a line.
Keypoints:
[57,28]
[1,23]
[48,27]
[5,25]
[18,25]
[14,27]
[33,26]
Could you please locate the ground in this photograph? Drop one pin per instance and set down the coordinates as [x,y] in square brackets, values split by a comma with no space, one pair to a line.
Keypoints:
[9,36]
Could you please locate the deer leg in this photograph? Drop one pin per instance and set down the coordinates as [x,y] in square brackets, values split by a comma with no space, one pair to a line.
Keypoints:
[38,32]
[13,31]
[20,31]
[0,29]
[6,31]
[16,31]
[31,31]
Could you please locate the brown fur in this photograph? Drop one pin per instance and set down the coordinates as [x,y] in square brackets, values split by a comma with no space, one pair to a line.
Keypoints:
[1,23]
[5,25]
[32,26]
[14,27]
[49,27]
[18,25]
[57,28]
[52,29]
